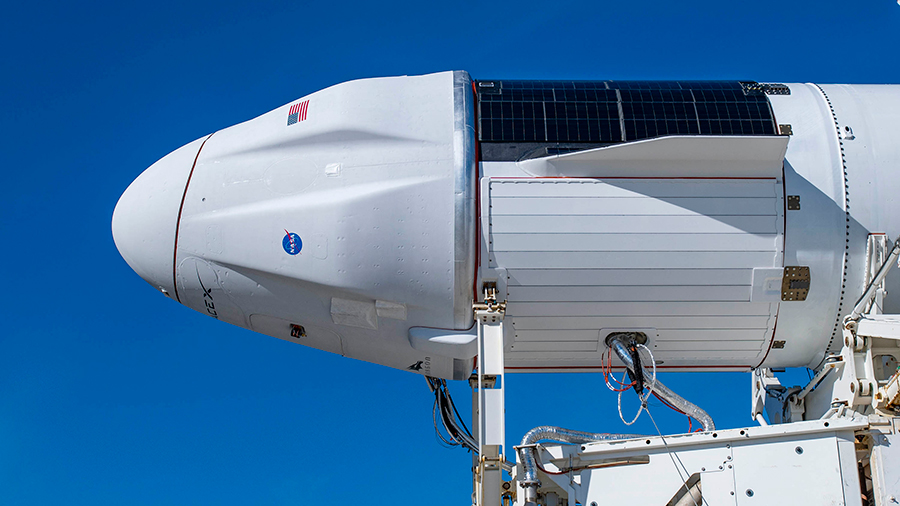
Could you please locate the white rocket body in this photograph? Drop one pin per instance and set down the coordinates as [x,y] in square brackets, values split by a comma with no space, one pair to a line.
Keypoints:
[360,220]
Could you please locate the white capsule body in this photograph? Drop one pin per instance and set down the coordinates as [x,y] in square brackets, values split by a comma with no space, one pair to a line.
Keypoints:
[343,218]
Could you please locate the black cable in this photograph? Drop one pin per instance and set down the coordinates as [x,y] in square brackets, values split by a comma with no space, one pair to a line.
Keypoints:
[444,404]
[434,408]
[464,438]
[452,426]
[460,418]
[443,441]
[638,376]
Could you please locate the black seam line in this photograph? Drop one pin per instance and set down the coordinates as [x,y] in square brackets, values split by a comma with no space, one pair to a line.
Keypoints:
[837,322]
[178,221]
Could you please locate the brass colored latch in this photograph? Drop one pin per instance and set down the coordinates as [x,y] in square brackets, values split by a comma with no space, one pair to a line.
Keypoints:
[795,283]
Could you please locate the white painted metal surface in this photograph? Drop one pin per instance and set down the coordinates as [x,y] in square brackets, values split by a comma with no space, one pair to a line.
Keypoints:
[885,469]
[830,169]
[672,255]
[145,217]
[490,409]
[673,156]
[799,463]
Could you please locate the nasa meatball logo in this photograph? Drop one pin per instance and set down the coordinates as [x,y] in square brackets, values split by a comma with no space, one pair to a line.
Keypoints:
[291,243]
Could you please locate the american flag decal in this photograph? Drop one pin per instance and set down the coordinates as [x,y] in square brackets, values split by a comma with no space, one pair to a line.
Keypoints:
[298,112]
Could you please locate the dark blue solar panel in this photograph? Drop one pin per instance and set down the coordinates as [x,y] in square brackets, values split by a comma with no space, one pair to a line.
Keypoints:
[606,112]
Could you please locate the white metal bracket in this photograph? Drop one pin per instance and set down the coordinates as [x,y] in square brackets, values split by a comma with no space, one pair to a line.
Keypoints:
[490,413]
[876,254]
[781,404]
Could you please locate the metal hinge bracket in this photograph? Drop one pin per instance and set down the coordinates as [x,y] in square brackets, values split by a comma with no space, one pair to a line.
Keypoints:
[490,310]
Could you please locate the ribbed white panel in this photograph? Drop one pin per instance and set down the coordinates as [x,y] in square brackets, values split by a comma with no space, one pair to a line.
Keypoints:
[636,206]
[630,259]
[658,224]
[557,324]
[672,255]
[636,242]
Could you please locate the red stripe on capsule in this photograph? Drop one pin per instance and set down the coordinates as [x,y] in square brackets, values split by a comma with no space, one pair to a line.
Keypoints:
[178,220]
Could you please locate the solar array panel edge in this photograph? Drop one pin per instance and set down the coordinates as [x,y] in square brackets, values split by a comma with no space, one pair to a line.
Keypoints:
[597,111]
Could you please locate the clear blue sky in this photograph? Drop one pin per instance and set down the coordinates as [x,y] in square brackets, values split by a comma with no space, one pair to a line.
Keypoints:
[112,394]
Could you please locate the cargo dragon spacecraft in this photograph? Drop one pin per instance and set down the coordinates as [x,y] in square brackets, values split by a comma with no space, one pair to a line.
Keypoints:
[364,218]
[722,225]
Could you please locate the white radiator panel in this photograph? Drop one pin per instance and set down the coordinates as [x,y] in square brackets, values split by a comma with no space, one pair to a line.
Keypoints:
[676,322]
[624,277]
[627,224]
[637,309]
[672,256]
[659,188]
[631,293]
[631,259]
[634,242]
[635,206]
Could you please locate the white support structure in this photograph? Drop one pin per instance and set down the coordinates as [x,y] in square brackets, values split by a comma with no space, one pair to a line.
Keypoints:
[860,383]
[789,464]
[489,415]
[833,441]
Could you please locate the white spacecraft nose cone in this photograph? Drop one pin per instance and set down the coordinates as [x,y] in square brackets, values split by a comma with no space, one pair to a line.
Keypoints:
[145,220]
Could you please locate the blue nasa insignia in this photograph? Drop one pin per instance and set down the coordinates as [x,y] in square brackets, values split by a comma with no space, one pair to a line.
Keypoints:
[291,243]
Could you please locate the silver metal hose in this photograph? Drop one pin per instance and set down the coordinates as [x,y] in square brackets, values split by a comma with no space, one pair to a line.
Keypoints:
[526,450]
[620,346]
